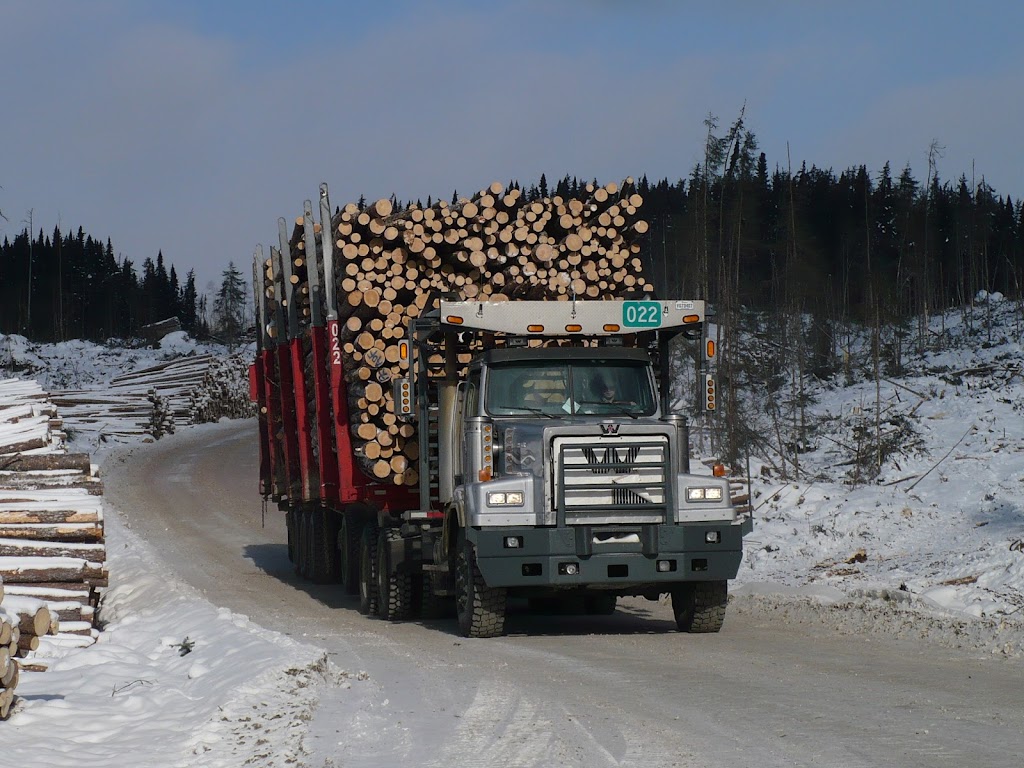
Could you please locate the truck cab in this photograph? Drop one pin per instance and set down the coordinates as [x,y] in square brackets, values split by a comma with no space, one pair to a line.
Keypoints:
[561,475]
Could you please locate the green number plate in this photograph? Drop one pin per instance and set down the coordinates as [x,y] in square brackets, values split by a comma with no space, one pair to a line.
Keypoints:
[641,314]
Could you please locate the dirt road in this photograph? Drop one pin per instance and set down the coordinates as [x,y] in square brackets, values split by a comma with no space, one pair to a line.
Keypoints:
[625,690]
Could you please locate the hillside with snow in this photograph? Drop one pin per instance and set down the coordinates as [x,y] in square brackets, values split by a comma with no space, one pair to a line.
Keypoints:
[935,539]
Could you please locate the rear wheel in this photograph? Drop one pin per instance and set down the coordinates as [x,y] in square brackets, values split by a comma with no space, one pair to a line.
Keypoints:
[394,589]
[368,569]
[289,521]
[699,607]
[348,552]
[323,546]
[301,542]
[480,608]
[427,603]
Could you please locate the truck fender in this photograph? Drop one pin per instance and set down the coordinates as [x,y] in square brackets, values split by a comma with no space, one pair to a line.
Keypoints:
[454,521]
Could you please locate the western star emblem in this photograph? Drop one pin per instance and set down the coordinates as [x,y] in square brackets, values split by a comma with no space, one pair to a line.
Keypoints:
[609,429]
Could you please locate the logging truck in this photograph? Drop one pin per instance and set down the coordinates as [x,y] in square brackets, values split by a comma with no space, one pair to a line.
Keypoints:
[462,453]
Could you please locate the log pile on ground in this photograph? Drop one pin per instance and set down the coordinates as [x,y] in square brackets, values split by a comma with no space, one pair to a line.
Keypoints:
[494,246]
[52,550]
[161,420]
[23,621]
[223,392]
[10,637]
[124,409]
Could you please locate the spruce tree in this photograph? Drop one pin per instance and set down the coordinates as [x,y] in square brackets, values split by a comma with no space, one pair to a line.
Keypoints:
[229,305]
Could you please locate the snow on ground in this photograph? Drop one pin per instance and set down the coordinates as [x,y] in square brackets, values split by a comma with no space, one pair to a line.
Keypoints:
[172,681]
[931,549]
[940,531]
[86,365]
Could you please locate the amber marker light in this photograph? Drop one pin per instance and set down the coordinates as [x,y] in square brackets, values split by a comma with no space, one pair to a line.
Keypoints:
[611,328]
[454,320]
[535,328]
[691,319]
[573,328]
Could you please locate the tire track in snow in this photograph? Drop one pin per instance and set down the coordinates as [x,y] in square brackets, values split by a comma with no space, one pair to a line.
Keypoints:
[502,727]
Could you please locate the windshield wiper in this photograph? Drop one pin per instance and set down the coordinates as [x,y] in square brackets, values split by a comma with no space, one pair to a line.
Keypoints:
[618,412]
[530,409]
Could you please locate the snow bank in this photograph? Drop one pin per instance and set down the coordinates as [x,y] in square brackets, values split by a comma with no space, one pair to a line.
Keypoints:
[936,538]
[172,681]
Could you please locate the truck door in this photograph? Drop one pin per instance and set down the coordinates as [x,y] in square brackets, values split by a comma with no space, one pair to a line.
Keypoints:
[467,405]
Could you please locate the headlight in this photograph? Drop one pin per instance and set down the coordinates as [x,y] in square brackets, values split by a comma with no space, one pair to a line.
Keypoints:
[704,493]
[505,499]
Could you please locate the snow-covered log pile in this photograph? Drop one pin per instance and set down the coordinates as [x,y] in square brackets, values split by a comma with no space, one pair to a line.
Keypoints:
[28,421]
[52,548]
[223,392]
[10,637]
[23,621]
[125,408]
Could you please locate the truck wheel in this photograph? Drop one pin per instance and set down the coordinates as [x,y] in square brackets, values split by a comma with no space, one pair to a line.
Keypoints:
[394,590]
[600,604]
[480,608]
[368,570]
[323,547]
[348,552]
[699,607]
[289,521]
[427,603]
[302,543]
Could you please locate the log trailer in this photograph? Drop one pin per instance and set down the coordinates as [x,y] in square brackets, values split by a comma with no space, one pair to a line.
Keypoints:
[549,465]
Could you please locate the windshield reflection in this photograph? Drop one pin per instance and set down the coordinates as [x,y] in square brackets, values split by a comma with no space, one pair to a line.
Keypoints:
[557,388]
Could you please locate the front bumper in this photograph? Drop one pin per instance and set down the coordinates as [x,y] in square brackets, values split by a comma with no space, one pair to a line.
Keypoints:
[627,559]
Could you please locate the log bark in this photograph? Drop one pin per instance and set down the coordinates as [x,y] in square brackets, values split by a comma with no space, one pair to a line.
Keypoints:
[47,461]
[48,516]
[92,552]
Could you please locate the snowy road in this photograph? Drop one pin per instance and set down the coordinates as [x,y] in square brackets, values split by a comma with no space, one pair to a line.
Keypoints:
[625,690]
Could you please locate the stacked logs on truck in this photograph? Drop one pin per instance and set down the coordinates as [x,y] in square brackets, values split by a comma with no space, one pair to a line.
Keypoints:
[51,519]
[494,246]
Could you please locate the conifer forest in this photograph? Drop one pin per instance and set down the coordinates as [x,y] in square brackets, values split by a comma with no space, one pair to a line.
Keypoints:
[877,246]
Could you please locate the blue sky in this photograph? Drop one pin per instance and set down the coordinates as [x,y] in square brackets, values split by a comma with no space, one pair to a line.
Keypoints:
[191,126]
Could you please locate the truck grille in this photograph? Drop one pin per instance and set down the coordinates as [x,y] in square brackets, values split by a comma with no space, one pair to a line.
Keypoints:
[602,481]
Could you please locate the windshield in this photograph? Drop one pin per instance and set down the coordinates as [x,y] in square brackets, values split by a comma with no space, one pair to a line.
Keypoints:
[559,387]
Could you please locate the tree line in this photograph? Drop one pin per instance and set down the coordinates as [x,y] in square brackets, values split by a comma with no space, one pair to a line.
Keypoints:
[738,232]
[71,286]
[797,259]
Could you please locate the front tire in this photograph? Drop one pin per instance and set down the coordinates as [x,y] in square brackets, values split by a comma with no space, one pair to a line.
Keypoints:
[480,608]
[368,569]
[699,607]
